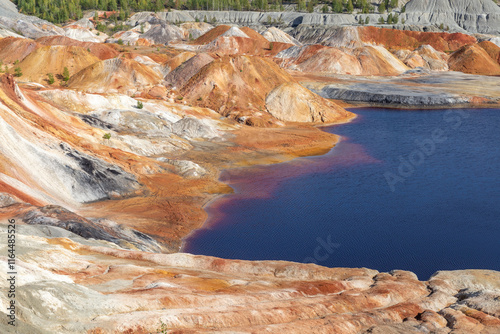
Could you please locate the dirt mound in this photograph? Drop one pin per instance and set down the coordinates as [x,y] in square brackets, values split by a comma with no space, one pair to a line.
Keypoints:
[274,34]
[492,49]
[405,39]
[235,83]
[163,33]
[376,60]
[173,63]
[13,48]
[184,72]
[53,59]
[425,56]
[254,34]
[99,50]
[291,102]
[237,87]
[196,29]
[367,60]
[115,75]
[329,60]
[473,59]
[211,35]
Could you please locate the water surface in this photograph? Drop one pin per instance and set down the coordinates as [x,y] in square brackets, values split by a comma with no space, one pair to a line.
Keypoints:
[442,211]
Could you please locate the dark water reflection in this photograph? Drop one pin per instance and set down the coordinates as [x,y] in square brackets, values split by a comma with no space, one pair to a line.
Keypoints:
[339,210]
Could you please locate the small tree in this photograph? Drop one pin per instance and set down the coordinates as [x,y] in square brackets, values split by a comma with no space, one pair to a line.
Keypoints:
[350,6]
[367,20]
[51,79]
[389,19]
[441,26]
[381,20]
[120,42]
[395,19]
[325,9]
[66,74]
[140,105]
[381,8]
[18,72]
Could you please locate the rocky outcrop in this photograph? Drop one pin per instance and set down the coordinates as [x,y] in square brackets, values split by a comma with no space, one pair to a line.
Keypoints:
[473,59]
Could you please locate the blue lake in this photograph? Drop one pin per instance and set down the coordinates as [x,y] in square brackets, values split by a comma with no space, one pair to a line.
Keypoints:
[412,190]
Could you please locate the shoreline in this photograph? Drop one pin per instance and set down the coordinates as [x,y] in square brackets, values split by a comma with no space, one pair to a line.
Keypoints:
[218,197]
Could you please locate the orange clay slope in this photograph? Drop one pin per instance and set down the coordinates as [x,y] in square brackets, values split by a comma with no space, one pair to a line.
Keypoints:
[118,75]
[473,59]
[101,51]
[405,39]
[16,49]
[53,59]
[238,87]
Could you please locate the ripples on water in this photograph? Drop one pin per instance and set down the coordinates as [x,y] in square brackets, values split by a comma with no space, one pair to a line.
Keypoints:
[339,210]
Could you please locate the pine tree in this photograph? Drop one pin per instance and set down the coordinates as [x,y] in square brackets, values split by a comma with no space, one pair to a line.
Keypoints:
[65,74]
[350,6]
[389,19]
[381,8]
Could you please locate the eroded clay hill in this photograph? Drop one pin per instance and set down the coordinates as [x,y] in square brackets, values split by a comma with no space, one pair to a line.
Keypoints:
[238,87]
[101,51]
[406,39]
[474,59]
[16,49]
[117,75]
[53,59]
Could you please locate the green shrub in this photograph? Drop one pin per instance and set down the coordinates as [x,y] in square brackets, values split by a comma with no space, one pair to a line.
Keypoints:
[107,136]
[51,79]
[140,105]
[120,42]
[18,72]
[66,74]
